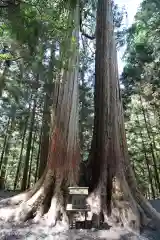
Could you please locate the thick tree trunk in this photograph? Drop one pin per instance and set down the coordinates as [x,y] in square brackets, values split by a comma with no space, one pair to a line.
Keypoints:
[45,135]
[109,158]
[81,117]
[47,115]
[48,196]
[102,156]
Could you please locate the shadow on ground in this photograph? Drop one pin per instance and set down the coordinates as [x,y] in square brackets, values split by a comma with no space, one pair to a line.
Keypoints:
[30,231]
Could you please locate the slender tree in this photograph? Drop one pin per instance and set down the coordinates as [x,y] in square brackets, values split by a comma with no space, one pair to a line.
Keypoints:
[21,152]
[26,164]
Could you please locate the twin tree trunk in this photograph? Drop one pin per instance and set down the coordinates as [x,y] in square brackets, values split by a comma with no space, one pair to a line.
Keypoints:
[111,169]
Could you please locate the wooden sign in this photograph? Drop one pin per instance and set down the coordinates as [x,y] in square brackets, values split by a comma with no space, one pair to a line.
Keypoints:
[78,190]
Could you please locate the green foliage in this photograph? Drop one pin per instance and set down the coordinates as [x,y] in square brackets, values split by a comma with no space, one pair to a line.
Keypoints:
[38,34]
[6,56]
[140,78]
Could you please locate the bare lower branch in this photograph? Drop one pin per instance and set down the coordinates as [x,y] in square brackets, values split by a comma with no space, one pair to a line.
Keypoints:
[82,31]
[87,35]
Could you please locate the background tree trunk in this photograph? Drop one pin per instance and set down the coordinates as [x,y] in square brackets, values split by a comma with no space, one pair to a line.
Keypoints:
[5,141]
[26,164]
[21,152]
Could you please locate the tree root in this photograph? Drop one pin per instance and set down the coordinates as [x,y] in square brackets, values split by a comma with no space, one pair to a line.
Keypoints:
[129,208]
[122,214]
[23,197]
[48,203]
[152,217]
[45,204]
[15,200]
[149,216]
[27,209]
[56,211]
[126,210]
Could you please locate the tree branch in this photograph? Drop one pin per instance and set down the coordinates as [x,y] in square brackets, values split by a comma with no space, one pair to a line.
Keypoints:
[82,31]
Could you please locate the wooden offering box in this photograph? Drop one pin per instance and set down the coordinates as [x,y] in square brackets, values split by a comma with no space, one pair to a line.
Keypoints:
[77,198]
[77,202]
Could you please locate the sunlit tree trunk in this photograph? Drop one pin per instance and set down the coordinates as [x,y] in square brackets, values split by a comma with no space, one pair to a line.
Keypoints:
[49,194]
[109,157]
[45,135]
[81,118]
[103,152]
[46,120]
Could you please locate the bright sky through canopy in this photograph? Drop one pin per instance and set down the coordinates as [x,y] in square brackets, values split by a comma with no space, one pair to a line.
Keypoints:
[131,7]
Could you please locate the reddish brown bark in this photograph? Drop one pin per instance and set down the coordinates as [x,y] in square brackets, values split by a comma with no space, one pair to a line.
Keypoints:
[48,196]
[109,154]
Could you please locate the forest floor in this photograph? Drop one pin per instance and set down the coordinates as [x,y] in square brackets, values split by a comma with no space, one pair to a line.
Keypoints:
[32,231]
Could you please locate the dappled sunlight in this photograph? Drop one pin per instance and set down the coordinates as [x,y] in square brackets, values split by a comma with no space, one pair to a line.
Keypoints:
[79,144]
[6,213]
[41,230]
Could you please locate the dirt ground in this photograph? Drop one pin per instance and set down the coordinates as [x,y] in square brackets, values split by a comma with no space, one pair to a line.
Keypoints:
[32,231]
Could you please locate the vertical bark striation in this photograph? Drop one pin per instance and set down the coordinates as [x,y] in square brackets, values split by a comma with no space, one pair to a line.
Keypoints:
[64,150]
[46,120]
[103,150]
[109,152]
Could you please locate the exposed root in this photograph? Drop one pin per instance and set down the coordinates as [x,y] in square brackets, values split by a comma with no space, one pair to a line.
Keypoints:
[96,203]
[27,209]
[15,200]
[145,209]
[129,208]
[148,211]
[7,213]
[123,215]
[23,197]
[125,210]
[45,204]
[134,217]
[56,211]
